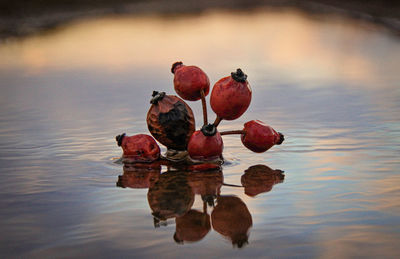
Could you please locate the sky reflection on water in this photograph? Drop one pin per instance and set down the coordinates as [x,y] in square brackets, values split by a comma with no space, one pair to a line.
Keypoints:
[330,85]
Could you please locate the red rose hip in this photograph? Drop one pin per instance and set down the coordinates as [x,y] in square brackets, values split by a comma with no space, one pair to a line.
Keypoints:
[259,137]
[231,96]
[189,81]
[205,144]
[138,148]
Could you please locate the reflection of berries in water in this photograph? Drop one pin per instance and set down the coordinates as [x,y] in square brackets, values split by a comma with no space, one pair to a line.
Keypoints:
[171,196]
[170,120]
[189,81]
[207,184]
[232,219]
[231,96]
[138,148]
[260,178]
[138,177]
[193,226]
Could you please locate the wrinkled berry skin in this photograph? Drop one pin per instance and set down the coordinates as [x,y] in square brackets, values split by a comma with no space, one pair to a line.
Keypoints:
[171,196]
[139,148]
[203,147]
[259,137]
[230,98]
[189,80]
[170,120]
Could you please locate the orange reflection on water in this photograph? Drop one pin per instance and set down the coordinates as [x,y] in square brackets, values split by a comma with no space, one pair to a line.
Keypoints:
[286,44]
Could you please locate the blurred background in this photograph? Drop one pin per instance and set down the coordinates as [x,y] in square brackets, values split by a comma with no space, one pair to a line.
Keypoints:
[325,73]
[22,17]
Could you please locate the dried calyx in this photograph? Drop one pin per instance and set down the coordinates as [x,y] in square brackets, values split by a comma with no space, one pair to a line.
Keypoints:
[179,63]
[239,76]
[157,96]
[281,138]
[119,138]
[209,130]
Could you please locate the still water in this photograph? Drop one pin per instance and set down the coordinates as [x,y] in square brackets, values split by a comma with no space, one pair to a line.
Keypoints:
[331,85]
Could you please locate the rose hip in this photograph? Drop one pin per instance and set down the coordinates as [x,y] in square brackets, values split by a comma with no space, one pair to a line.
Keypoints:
[205,144]
[231,96]
[259,137]
[189,81]
[138,148]
[170,120]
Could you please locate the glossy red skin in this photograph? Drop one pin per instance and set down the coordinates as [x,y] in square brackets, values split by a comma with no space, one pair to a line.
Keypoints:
[229,98]
[203,147]
[189,80]
[140,148]
[259,137]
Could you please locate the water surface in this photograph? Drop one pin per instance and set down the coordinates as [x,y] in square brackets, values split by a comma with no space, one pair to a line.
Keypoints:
[331,85]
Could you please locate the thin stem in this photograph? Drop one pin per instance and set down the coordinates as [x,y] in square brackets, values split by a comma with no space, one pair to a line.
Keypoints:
[204,104]
[230,132]
[217,121]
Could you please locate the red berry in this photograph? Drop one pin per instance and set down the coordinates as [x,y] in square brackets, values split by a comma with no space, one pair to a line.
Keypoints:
[231,96]
[138,148]
[189,80]
[170,120]
[205,144]
[259,137]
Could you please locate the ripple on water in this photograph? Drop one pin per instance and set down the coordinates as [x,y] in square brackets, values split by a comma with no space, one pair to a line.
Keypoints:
[66,94]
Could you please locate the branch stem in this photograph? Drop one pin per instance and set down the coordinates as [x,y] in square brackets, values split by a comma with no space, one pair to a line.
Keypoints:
[204,104]
[231,132]
[217,121]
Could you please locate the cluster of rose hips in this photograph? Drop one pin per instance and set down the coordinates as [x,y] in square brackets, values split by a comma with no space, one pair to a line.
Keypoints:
[171,121]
